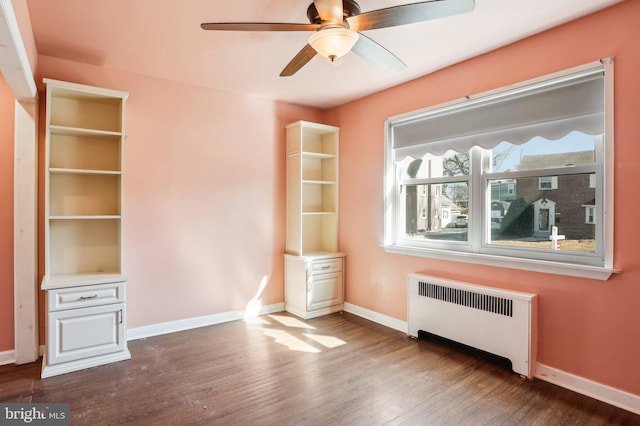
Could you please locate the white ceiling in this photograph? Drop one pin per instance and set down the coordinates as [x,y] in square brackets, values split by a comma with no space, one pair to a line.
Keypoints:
[163,38]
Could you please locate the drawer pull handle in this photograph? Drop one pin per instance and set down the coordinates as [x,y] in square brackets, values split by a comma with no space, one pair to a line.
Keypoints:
[326,267]
[88,297]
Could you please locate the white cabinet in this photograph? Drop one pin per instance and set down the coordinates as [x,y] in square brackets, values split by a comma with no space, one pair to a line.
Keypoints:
[314,285]
[82,221]
[314,269]
[85,324]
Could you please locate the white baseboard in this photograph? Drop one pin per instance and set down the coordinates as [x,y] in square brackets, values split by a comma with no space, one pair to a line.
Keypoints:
[385,320]
[189,323]
[7,357]
[616,397]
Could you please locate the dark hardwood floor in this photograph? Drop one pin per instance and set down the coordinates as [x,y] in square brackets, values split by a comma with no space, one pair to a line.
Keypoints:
[280,370]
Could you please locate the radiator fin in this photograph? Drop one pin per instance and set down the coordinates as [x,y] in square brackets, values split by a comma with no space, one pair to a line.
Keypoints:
[471,299]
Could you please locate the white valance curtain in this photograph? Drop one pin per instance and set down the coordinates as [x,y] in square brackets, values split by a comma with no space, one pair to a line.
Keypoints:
[550,109]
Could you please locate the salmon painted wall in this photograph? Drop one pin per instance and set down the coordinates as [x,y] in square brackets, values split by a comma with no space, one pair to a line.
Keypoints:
[7,108]
[588,328]
[21,9]
[204,185]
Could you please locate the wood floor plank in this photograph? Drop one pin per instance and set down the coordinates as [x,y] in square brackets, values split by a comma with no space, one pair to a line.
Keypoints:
[279,370]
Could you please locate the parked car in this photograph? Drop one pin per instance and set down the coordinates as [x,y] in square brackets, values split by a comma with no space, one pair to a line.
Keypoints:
[462,221]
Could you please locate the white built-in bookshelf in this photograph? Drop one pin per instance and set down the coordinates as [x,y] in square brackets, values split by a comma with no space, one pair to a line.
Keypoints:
[314,269]
[83,277]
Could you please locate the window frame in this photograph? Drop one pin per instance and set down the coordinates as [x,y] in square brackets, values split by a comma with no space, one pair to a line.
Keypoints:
[551,180]
[476,250]
[590,214]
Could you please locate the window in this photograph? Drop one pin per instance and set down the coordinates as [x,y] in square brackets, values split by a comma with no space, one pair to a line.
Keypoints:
[488,179]
[590,214]
[548,182]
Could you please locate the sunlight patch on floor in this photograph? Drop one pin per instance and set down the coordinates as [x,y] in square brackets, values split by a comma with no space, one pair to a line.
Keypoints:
[299,337]
[257,321]
[326,341]
[290,341]
[290,321]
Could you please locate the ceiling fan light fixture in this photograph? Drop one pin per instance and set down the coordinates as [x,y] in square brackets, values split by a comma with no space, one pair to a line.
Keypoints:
[333,42]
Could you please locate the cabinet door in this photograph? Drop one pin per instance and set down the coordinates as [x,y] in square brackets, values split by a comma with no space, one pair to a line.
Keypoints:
[325,290]
[86,332]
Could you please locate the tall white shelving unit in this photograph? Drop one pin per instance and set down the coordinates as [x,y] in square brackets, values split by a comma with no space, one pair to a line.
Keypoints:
[84,280]
[314,269]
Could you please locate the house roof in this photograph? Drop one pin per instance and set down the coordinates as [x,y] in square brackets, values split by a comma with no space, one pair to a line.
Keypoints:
[548,161]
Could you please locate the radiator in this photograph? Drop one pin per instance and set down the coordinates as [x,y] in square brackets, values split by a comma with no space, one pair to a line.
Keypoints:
[493,320]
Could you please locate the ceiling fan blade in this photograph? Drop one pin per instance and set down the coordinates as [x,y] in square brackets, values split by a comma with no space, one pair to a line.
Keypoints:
[409,14]
[376,54]
[305,55]
[257,26]
[329,10]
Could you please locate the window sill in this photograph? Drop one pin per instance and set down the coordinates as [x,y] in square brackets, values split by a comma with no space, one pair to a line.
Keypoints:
[557,268]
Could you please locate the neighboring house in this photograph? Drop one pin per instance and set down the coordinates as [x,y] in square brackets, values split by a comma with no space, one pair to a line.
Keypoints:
[503,190]
[432,210]
[448,212]
[564,201]
[443,210]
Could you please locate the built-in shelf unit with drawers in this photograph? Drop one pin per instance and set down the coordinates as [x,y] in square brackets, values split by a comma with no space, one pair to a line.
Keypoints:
[314,268]
[84,279]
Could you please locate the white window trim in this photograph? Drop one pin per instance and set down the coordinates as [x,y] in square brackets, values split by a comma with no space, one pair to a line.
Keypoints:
[587,209]
[553,180]
[568,269]
[552,267]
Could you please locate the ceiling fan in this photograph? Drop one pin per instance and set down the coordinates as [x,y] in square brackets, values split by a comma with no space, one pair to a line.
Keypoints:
[337,26]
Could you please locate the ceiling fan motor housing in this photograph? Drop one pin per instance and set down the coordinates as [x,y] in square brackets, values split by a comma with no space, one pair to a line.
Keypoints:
[349,8]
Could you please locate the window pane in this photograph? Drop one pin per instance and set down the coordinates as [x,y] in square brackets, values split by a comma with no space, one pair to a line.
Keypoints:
[437,211]
[452,163]
[575,149]
[524,215]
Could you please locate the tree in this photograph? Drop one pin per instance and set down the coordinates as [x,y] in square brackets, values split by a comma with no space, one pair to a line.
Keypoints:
[518,220]
[457,165]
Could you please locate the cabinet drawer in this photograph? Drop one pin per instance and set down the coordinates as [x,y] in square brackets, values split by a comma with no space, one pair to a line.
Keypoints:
[85,296]
[323,266]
